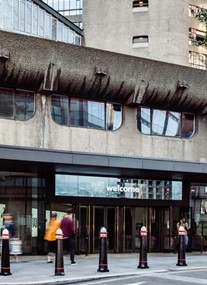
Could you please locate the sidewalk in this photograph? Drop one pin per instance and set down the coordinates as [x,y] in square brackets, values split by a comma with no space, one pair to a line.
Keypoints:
[35,270]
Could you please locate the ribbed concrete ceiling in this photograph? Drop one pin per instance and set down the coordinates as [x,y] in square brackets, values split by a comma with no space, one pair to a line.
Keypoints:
[53,67]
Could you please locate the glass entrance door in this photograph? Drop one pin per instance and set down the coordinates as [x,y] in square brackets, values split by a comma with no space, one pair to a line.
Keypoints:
[123,225]
[160,229]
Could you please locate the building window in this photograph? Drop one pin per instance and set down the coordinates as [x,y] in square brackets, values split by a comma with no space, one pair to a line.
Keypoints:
[165,123]
[197,60]
[66,7]
[196,36]
[17,105]
[85,113]
[140,41]
[140,3]
[192,11]
[28,18]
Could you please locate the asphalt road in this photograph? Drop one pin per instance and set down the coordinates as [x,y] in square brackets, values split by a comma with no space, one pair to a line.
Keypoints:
[169,277]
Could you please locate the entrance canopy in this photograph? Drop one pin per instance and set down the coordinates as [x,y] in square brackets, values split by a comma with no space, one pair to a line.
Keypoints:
[15,159]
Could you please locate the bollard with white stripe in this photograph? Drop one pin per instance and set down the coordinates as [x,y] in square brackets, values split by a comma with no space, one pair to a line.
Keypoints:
[181,250]
[103,264]
[5,258]
[59,263]
[143,249]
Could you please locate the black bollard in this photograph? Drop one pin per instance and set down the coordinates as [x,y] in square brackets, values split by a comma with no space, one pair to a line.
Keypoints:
[143,249]
[181,247]
[59,264]
[103,266]
[5,258]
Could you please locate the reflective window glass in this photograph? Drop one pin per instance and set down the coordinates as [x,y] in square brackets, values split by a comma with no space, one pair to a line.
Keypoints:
[187,125]
[54,29]
[65,34]
[6,103]
[28,18]
[24,105]
[112,187]
[22,16]
[17,105]
[70,36]
[143,120]
[60,109]
[60,32]
[87,113]
[8,16]
[113,116]
[16,14]
[41,22]
[35,19]
[165,123]
[47,26]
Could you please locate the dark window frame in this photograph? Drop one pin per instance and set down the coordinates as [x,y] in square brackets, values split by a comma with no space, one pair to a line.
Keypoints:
[18,107]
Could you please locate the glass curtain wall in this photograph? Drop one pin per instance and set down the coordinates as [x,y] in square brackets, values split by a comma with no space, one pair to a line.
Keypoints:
[23,196]
[24,16]
[198,203]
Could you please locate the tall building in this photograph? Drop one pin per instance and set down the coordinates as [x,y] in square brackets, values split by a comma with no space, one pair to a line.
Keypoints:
[153,29]
[119,138]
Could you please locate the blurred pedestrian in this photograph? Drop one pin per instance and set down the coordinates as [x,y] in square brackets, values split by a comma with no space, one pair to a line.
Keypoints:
[68,228]
[10,225]
[50,236]
[185,225]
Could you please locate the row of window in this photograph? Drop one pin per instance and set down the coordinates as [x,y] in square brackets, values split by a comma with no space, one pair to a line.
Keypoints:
[67,111]
[24,16]
[66,7]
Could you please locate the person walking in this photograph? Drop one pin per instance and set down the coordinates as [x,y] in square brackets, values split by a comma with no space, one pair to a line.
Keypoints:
[10,225]
[50,236]
[68,228]
[185,225]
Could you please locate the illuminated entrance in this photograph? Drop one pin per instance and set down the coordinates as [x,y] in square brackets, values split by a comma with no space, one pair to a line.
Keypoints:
[122,205]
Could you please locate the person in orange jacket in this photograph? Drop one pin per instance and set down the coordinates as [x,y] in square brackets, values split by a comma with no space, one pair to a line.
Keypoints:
[50,236]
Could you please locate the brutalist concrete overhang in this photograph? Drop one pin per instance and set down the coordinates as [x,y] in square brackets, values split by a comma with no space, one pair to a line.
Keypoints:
[53,67]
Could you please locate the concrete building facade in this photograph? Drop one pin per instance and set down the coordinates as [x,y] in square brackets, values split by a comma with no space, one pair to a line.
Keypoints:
[119,174]
[118,137]
[151,29]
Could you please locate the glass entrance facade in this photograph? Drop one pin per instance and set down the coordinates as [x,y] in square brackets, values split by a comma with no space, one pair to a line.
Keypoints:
[122,205]
[23,195]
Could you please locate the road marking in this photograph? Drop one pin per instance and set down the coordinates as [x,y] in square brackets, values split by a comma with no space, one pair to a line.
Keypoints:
[139,283]
[183,279]
[114,280]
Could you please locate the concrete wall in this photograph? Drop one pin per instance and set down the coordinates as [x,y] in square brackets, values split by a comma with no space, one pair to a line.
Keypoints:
[111,25]
[42,132]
